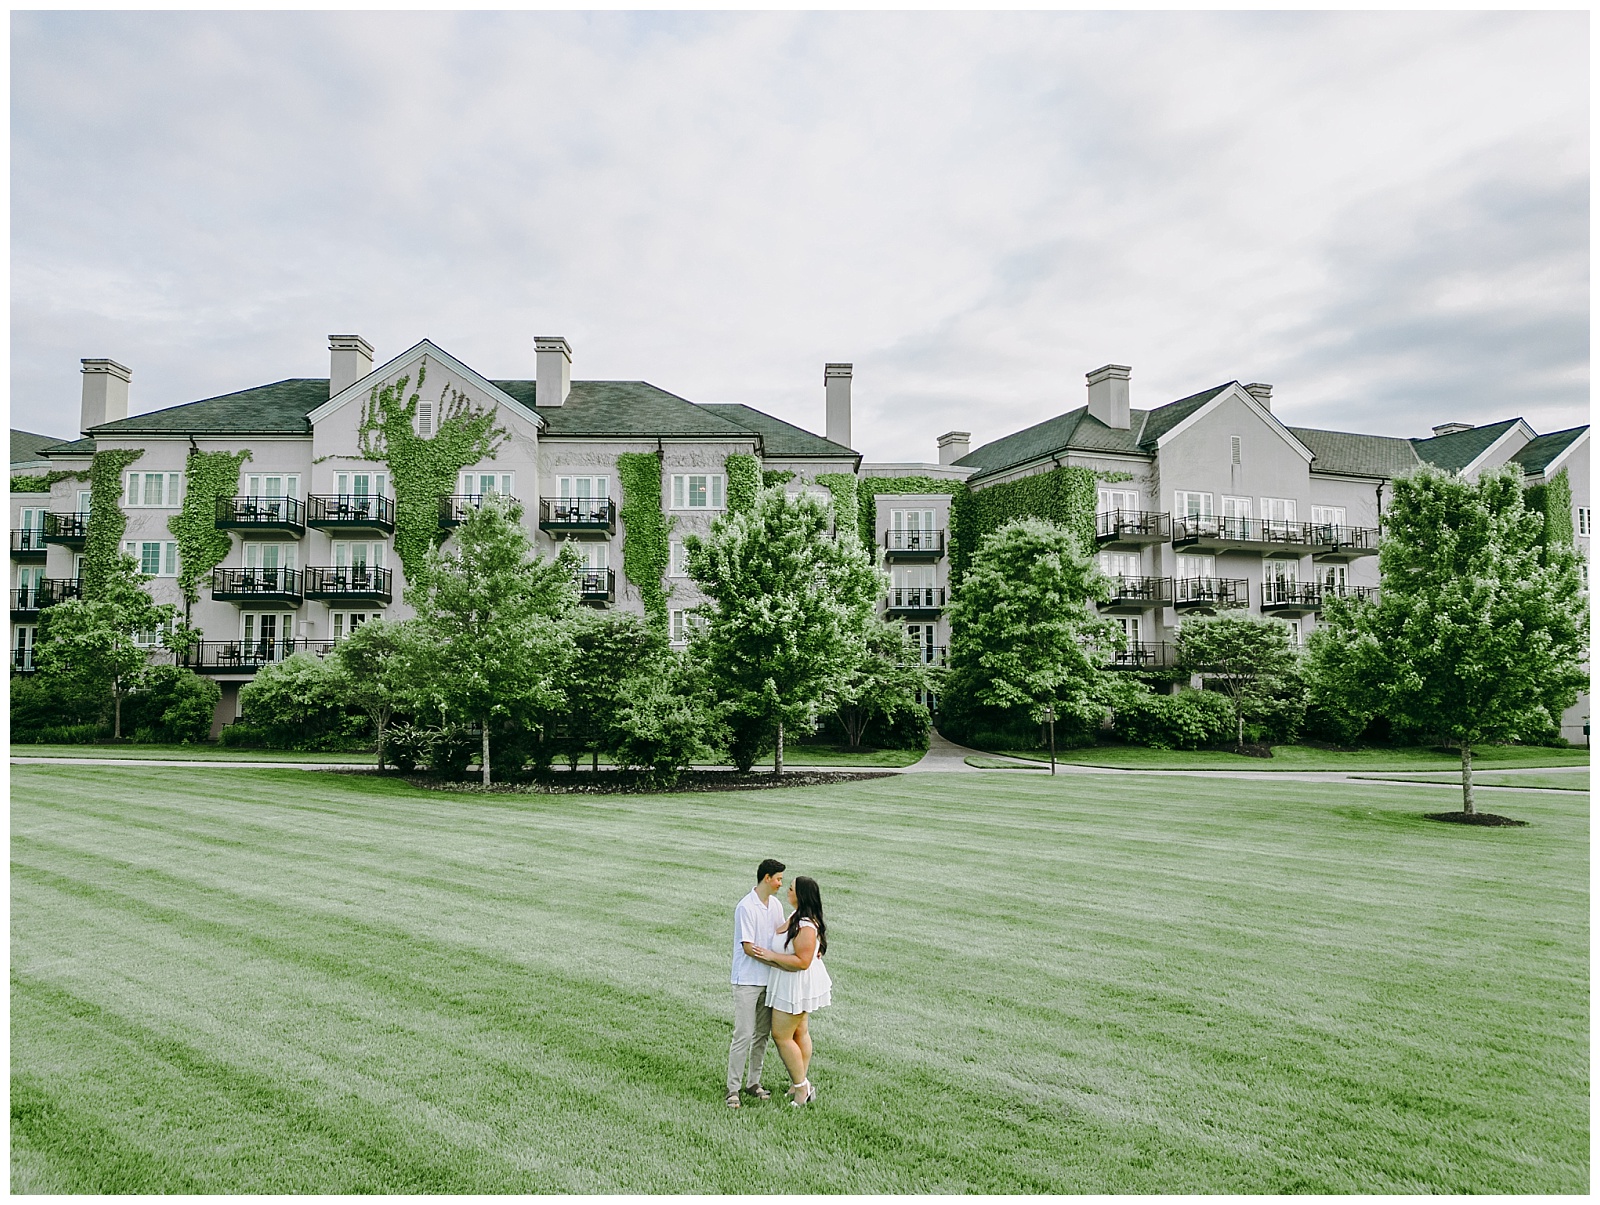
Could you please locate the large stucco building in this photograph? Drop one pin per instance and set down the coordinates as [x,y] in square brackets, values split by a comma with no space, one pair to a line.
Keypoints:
[1207,503]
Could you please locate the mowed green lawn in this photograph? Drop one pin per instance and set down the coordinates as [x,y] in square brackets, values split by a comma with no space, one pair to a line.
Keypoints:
[275,980]
[1305,757]
[1576,779]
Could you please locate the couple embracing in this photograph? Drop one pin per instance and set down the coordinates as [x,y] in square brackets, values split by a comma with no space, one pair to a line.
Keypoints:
[778,982]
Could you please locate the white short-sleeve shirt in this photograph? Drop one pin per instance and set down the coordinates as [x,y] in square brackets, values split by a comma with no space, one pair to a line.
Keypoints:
[757,924]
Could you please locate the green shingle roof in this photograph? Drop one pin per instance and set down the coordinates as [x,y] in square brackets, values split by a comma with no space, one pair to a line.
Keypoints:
[27,446]
[1353,455]
[73,447]
[1538,452]
[778,438]
[276,409]
[1077,430]
[1457,450]
[623,410]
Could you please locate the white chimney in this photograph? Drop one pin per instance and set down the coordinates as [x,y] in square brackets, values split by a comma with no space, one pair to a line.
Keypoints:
[105,393]
[953,445]
[349,359]
[1441,429]
[553,358]
[1262,394]
[836,381]
[1108,395]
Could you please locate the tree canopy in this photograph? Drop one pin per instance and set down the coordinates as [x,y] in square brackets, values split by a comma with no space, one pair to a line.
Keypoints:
[1241,656]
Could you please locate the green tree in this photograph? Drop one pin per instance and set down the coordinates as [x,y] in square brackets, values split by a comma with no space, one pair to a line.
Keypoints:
[374,671]
[1022,635]
[90,646]
[1245,658]
[661,725]
[612,650]
[296,704]
[492,631]
[1480,630]
[885,682]
[790,605]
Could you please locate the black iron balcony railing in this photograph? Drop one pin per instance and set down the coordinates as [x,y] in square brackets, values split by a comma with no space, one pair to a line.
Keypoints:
[1139,591]
[596,585]
[350,512]
[1341,543]
[45,593]
[256,585]
[255,512]
[929,654]
[1214,593]
[454,508]
[1225,531]
[22,660]
[70,529]
[27,543]
[240,656]
[1141,654]
[1133,527]
[914,545]
[578,515]
[364,583]
[1359,593]
[1280,594]
[915,598]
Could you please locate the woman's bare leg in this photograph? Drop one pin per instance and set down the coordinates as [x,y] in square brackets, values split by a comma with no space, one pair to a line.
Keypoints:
[783,1031]
[802,1039]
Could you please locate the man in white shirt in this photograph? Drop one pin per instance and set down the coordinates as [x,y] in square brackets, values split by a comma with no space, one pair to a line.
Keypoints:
[756,922]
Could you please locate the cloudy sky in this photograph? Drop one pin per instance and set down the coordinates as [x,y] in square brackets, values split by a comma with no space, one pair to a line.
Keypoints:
[1382,215]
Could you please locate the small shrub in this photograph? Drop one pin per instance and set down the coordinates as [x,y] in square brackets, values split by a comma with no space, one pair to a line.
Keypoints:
[296,705]
[240,735]
[175,705]
[407,746]
[1190,720]
[451,750]
[63,734]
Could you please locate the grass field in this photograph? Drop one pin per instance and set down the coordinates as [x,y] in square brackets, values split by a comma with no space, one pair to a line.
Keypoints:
[333,983]
[1302,757]
[1558,780]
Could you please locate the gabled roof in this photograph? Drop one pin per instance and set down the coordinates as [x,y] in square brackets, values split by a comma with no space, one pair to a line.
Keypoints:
[623,410]
[27,446]
[1459,449]
[276,409]
[1352,455]
[1536,455]
[1164,418]
[72,447]
[778,438]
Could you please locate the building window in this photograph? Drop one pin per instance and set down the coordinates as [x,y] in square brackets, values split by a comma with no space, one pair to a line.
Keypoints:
[1328,516]
[1280,581]
[153,490]
[23,640]
[1278,513]
[583,488]
[269,556]
[697,491]
[1188,504]
[156,558]
[151,637]
[1294,632]
[1235,445]
[273,485]
[1190,565]
[362,485]
[1114,500]
[359,555]
[1583,521]
[1235,508]
[345,622]
[679,565]
[1119,564]
[685,623]
[477,483]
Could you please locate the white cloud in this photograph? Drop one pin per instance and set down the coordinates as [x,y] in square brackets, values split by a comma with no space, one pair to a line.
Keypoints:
[1383,214]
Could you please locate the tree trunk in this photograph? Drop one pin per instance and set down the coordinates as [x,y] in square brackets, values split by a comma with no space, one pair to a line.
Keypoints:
[116,728]
[1238,715]
[1052,744]
[485,750]
[594,761]
[777,756]
[380,745]
[1466,778]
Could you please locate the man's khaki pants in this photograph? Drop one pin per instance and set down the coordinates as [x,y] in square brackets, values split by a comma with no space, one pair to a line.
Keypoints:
[752,1026]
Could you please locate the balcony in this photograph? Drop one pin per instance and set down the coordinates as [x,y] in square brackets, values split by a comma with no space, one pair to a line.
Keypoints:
[578,516]
[27,544]
[913,545]
[1210,593]
[22,660]
[454,508]
[1141,654]
[1359,593]
[1211,533]
[1138,593]
[1344,543]
[1132,528]
[597,587]
[256,514]
[1280,597]
[263,587]
[910,602]
[69,530]
[28,601]
[926,654]
[349,583]
[350,512]
[237,657]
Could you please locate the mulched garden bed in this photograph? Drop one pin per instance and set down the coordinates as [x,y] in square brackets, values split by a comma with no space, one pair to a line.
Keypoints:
[1486,819]
[615,782]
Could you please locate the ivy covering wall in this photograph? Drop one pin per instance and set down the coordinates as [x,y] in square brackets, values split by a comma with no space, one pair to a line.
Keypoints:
[646,530]
[41,484]
[102,543]
[1065,495]
[1553,499]
[744,481]
[772,477]
[843,488]
[201,547]
[421,469]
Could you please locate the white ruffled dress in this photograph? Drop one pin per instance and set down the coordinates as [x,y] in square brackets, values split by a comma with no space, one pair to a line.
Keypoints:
[800,991]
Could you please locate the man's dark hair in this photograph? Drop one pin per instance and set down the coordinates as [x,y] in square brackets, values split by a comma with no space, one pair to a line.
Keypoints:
[768,866]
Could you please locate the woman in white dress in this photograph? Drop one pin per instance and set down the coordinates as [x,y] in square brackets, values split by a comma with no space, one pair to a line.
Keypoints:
[798,984]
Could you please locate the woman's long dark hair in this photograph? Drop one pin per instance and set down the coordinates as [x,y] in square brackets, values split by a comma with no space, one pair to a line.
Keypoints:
[807,903]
